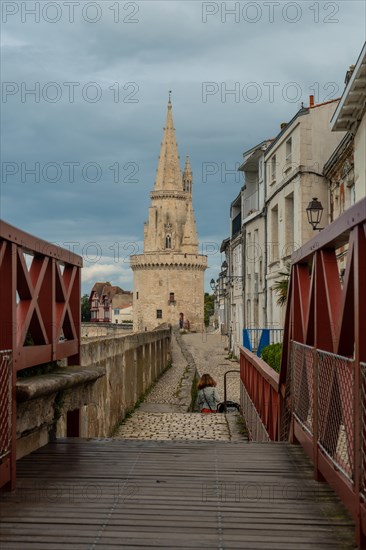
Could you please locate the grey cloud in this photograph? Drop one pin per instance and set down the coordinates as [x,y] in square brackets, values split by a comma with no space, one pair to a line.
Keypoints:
[170,48]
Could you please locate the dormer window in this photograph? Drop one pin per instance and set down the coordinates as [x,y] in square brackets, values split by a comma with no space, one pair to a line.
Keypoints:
[273,168]
[289,150]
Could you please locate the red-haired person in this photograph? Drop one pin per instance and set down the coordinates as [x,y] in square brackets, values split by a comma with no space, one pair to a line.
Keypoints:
[207,398]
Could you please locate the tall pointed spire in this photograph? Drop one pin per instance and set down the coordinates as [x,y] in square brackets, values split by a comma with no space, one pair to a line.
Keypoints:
[168,176]
[168,276]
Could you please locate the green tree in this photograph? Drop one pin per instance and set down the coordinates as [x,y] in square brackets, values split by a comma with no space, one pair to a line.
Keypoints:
[85,308]
[209,307]
[281,286]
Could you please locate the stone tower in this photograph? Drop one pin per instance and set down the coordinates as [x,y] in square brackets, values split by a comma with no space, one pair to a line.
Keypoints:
[168,276]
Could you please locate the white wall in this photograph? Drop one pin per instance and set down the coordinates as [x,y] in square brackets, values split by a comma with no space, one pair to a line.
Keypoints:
[360,160]
[312,144]
[236,290]
[125,314]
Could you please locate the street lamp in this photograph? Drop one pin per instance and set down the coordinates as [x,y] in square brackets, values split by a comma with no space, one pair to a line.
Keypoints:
[314,212]
[228,279]
[213,284]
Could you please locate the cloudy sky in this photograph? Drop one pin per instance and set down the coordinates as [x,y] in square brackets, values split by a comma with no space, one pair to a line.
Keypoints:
[84,95]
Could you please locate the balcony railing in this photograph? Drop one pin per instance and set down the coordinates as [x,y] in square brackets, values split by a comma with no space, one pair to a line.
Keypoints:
[236,225]
[251,205]
[255,339]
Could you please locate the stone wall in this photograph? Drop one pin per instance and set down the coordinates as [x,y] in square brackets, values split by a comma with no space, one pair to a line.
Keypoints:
[176,274]
[97,330]
[119,371]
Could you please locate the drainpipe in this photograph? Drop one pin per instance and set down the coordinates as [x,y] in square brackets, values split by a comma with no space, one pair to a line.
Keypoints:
[244,266]
[265,212]
[265,267]
[230,300]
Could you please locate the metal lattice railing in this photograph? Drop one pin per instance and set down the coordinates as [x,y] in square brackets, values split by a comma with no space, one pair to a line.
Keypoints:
[256,429]
[287,409]
[336,410]
[330,317]
[5,402]
[302,372]
[363,430]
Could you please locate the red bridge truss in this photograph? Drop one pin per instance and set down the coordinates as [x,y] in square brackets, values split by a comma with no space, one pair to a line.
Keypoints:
[319,397]
[40,320]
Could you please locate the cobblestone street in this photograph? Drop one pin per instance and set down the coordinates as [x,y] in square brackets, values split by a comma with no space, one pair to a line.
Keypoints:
[165,413]
[208,350]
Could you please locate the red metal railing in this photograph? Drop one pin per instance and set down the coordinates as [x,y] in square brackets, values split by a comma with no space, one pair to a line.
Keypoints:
[363,431]
[40,303]
[5,404]
[259,396]
[322,383]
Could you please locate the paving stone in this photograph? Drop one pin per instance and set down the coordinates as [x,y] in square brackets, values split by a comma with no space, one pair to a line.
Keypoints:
[164,416]
[161,407]
[210,357]
[167,389]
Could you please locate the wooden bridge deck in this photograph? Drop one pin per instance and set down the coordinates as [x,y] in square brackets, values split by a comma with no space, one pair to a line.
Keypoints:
[76,494]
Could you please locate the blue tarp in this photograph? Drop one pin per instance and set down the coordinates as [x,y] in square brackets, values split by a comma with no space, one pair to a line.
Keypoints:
[263,341]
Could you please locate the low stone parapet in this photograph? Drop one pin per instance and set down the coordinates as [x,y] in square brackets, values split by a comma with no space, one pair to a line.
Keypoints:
[90,400]
[98,330]
[58,380]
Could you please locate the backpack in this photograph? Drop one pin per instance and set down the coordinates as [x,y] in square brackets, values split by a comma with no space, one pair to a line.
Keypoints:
[231,406]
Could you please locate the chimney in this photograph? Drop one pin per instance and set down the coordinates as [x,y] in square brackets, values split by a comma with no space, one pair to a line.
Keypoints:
[283,125]
[349,74]
[311,101]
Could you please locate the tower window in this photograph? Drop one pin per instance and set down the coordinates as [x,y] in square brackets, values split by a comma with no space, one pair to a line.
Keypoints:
[168,241]
[137,295]
[159,314]
[171,297]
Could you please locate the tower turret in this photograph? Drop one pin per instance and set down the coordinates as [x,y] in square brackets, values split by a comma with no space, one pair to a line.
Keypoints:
[187,177]
[190,241]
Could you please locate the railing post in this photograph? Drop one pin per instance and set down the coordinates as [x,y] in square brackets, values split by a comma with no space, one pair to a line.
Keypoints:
[360,355]
[6,421]
[317,474]
[14,347]
[357,449]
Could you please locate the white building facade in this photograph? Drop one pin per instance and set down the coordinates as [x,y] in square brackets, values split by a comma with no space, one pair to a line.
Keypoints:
[254,231]
[350,116]
[294,176]
[234,277]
